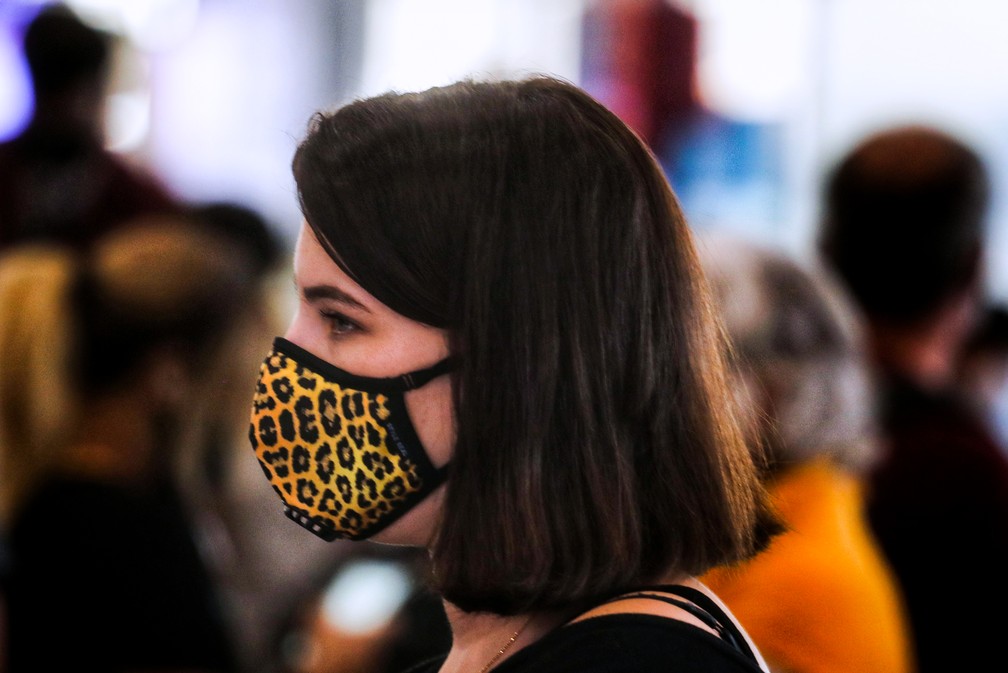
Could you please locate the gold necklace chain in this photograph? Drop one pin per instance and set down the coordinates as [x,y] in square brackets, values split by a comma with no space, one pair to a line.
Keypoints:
[505,647]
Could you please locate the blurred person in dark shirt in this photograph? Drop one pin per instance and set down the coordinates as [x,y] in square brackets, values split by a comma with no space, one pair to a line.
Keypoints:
[904,227]
[106,357]
[57,180]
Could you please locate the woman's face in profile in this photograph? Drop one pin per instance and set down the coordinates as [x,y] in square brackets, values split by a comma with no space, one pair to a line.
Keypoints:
[341,323]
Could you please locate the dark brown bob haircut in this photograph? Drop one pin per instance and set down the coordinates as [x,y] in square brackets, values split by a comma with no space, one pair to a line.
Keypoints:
[597,446]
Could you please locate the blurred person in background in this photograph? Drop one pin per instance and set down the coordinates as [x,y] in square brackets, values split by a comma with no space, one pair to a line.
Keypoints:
[104,359]
[822,598]
[57,180]
[904,228]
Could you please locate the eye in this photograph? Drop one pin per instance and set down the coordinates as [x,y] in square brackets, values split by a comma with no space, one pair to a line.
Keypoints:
[339,324]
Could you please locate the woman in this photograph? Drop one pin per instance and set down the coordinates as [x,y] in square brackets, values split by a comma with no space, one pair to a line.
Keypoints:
[504,352]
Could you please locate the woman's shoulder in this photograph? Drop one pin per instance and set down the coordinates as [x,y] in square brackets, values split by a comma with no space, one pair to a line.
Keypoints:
[657,628]
[630,642]
[621,643]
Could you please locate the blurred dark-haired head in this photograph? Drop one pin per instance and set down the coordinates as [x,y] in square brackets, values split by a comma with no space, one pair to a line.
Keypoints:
[62,51]
[69,62]
[904,221]
[157,282]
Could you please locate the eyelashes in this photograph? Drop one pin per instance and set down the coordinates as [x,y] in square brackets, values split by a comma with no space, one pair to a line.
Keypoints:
[339,325]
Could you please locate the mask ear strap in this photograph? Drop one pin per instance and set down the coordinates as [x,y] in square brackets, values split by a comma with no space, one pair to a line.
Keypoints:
[421,376]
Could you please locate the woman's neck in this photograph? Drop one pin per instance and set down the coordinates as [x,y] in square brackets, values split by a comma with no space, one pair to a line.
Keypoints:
[481,641]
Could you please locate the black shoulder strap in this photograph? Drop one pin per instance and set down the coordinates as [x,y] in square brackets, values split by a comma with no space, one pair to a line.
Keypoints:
[701,606]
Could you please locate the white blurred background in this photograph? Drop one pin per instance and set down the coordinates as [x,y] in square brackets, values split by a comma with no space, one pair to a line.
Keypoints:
[214,94]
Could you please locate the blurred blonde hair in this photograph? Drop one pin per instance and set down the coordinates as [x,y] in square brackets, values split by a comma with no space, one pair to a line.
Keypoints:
[37,405]
[798,353]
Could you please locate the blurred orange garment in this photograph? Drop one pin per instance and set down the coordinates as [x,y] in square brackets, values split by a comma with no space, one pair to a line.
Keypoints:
[804,600]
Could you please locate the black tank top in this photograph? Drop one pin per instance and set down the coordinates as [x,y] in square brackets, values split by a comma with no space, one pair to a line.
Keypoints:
[636,642]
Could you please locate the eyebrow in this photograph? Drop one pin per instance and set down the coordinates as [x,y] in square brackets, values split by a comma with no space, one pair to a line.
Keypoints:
[315,292]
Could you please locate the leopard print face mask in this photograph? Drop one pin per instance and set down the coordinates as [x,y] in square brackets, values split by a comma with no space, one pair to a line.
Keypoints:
[339,449]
